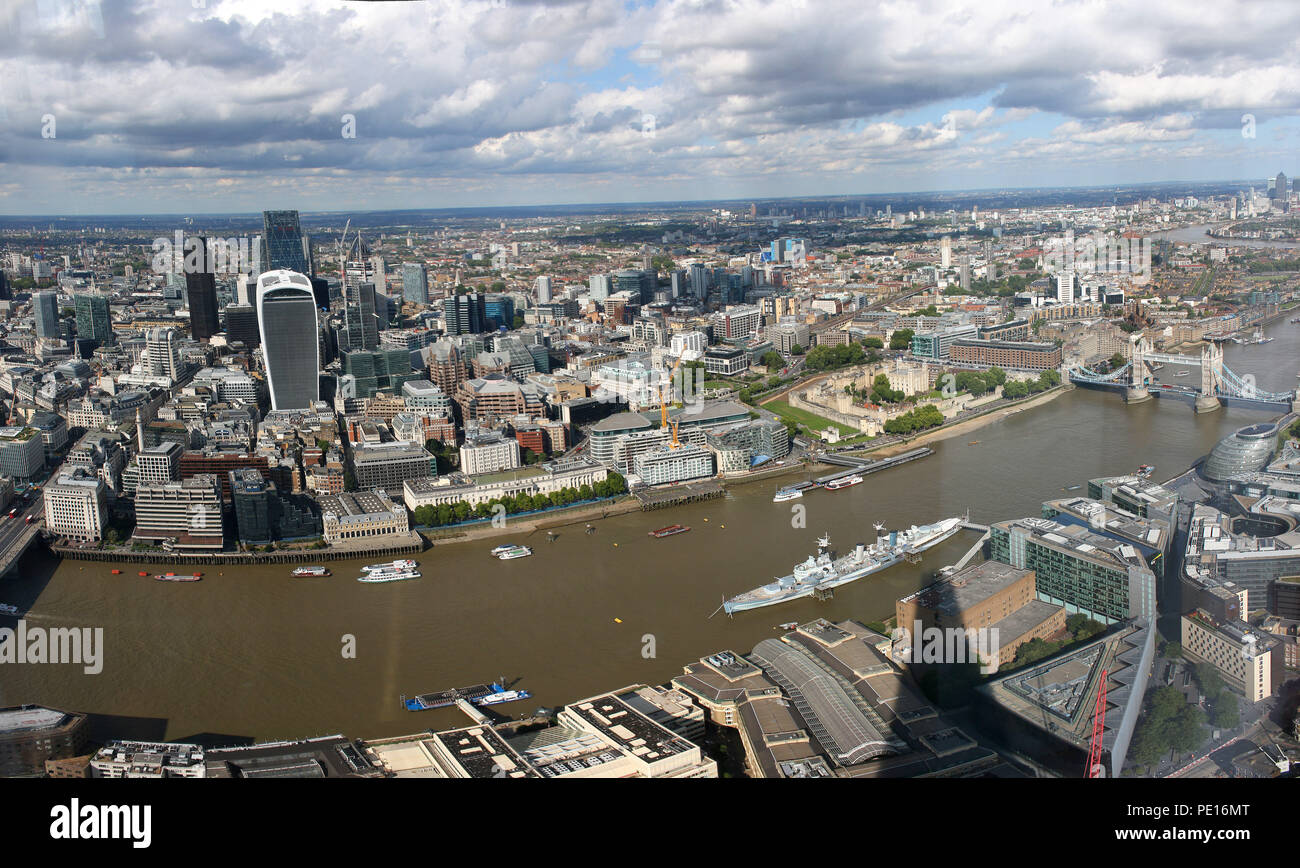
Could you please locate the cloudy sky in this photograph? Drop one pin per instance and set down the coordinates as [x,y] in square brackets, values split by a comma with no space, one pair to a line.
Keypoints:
[193,106]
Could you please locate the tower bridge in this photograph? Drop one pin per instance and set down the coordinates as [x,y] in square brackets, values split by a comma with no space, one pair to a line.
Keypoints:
[1219,384]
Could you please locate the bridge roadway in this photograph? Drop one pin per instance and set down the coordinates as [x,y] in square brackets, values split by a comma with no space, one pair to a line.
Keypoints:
[16,535]
[1191,393]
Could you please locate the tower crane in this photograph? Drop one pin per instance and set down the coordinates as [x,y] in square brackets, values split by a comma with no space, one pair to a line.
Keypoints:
[1095,769]
[663,403]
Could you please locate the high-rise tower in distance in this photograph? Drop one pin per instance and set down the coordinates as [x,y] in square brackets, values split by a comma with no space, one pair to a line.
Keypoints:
[45,306]
[285,247]
[201,289]
[286,314]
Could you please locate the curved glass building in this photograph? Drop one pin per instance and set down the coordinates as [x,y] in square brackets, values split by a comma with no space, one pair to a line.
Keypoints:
[1245,450]
[286,314]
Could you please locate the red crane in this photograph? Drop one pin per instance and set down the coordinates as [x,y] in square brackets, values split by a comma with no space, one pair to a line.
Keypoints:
[1098,725]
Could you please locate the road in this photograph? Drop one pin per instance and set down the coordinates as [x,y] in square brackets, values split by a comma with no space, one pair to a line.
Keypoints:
[12,528]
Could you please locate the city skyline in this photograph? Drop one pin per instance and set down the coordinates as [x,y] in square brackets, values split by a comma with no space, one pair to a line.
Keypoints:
[504,102]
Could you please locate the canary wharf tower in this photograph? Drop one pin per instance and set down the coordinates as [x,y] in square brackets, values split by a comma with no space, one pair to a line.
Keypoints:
[286,312]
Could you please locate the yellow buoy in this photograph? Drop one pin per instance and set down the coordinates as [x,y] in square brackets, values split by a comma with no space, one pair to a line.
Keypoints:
[706,519]
[618,620]
[723,526]
[615,545]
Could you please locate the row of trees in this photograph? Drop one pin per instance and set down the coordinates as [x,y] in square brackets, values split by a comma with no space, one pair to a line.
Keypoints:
[1020,389]
[824,358]
[454,513]
[979,382]
[920,419]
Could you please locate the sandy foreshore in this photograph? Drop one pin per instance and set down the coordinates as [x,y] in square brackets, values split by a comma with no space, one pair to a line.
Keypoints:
[531,524]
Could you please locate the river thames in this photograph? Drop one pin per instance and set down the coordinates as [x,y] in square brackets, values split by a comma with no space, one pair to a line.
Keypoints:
[254,653]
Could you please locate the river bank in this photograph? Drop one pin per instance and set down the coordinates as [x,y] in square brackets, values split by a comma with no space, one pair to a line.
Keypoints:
[532,524]
[966,425]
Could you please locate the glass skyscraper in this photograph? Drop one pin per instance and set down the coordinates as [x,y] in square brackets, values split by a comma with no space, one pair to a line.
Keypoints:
[415,283]
[93,320]
[45,306]
[201,292]
[285,247]
[360,322]
[286,313]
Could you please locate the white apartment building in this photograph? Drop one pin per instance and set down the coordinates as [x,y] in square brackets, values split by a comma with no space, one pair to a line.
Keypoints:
[489,455]
[76,506]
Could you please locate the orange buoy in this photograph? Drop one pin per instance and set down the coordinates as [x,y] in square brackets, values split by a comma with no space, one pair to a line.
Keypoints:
[144,574]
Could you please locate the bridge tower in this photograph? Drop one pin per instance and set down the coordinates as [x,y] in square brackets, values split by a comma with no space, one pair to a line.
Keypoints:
[1137,376]
[1211,377]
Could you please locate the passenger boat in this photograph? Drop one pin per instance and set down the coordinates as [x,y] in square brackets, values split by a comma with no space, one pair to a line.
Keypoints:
[305,572]
[787,494]
[668,531]
[391,565]
[378,578]
[514,552]
[172,577]
[843,482]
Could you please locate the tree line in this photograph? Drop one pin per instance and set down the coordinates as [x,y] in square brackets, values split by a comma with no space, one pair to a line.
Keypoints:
[454,513]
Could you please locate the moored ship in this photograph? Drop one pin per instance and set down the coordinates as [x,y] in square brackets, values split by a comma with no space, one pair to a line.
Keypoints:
[823,571]
[377,577]
[172,577]
[843,482]
[302,572]
[668,531]
[478,694]
[787,494]
[391,565]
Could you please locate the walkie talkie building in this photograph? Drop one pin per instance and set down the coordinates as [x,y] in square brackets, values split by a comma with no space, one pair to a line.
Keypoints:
[286,314]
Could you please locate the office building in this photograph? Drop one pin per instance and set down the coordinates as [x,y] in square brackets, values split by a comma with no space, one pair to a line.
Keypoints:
[32,734]
[201,291]
[94,323]
[285,249]
[387,465]
[76,506]
[263,514]
[161,463]
[286,313]
[488,453]
[1241,654]
[22,452]
[360,321]
[465,314]
[983,596]
[415,283]
[358,515]
[187,512]
[937,344]
[1084,571]
[45,308]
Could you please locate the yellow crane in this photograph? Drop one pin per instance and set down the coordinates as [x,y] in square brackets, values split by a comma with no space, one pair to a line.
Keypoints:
[663,404]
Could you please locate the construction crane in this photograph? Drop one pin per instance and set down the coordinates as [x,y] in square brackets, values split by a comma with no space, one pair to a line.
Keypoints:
[339,248]
[1095,769]
[663,404]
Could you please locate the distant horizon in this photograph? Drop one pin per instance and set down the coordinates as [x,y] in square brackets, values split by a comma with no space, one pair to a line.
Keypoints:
[650,204]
